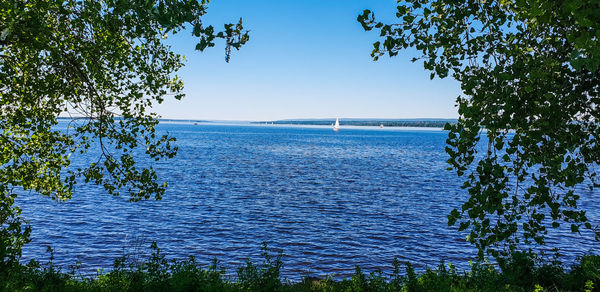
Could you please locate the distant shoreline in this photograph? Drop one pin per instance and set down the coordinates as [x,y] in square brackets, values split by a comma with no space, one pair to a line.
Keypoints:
[411,123]
[424,123]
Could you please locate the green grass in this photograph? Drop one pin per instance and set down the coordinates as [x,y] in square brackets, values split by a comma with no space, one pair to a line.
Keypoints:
[521,272]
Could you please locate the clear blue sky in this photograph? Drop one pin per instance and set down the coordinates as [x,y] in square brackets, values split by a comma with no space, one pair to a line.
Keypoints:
[305,59]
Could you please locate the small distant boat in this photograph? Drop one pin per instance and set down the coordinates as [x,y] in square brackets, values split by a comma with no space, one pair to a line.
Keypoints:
[381,125]
[336,127]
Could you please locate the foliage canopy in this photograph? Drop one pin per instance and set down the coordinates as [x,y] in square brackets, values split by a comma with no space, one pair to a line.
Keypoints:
[105,63]
[529,72]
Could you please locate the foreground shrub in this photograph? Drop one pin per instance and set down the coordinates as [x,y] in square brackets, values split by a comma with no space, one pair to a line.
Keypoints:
[520,272]
[264,277]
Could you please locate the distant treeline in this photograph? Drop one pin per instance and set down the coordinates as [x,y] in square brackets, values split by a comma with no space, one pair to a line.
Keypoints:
[120,118]
[183,121]
[376,123]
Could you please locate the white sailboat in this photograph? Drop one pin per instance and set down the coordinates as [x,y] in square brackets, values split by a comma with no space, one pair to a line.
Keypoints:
[336,127]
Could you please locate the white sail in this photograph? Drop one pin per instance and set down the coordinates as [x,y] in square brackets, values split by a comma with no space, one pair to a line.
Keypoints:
[336,127]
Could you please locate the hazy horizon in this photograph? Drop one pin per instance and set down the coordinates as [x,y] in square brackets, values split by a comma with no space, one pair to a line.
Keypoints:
[315,119]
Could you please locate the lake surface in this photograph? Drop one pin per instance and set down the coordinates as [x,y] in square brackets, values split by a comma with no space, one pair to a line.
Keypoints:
[329,200]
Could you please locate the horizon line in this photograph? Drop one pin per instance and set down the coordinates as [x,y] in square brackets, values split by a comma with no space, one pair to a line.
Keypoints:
[286,119]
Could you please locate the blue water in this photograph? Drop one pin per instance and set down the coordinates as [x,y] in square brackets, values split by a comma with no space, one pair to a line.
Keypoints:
[329,200]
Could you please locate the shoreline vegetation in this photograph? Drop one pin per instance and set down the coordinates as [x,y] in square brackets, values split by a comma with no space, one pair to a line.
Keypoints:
[418,123]
[520,272]
[423,123]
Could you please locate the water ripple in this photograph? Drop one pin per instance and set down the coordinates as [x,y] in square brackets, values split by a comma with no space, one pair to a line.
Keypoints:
[329,200]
